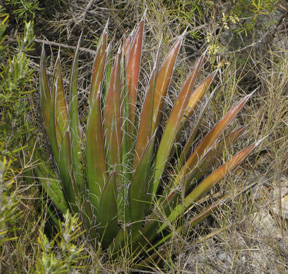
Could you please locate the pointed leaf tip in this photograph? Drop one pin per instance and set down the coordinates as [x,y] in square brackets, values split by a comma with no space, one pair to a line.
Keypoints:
[144,14]
[43,51]
[106,26]
[257,143]
[185,32]
[252,93]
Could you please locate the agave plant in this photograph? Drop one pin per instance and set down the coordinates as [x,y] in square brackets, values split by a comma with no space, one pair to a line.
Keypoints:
[127,182]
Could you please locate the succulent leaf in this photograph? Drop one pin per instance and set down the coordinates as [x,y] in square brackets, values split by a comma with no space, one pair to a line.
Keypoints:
[96,170]
[173,124]
[66,173]
[74,124]
[139,199]
[163,80]
[99,66]
[60,101]
[107,215]
[132,72]
[112,121]
[209,140]
[45,95]
[210,181]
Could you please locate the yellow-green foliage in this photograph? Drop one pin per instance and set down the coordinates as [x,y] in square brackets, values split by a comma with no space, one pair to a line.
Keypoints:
[15,81]
[63,252]
[15,128]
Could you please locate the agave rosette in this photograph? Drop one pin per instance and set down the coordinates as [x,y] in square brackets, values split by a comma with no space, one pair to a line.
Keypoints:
[117,177]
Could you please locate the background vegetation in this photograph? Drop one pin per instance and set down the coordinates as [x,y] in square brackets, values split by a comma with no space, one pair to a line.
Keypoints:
[247,39]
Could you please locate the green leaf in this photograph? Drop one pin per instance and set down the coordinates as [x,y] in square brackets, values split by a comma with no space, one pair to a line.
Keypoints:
[60,101]
[74,124]
[138,190]
[99,66]
[209,140]
[210,181]
[132,73]
[45,95]
[112,120]
[163,80]
[197,95]
[145,124]
[173,124]
[107,217]
[52,186]
[66,173]
[96,170]
[55,136]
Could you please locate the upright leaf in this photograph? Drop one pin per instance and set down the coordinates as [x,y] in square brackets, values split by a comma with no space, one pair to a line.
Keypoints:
[74,124]
[173,124]
[145,133]
[45,95]
[197,95]
[60,101]
[107,217]
[138,190]
[55,136]
[96,170]
[112,120]
[66,173]
[52,186]
[163,80]
[132,72]
[99,66]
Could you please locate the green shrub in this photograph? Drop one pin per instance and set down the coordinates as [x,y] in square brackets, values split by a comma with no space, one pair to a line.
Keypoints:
[15,125]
